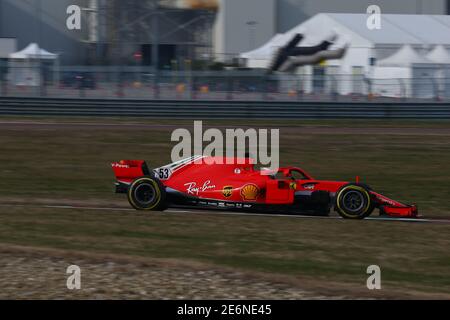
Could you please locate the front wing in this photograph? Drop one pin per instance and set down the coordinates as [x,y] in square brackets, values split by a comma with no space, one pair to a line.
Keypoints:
[394,208]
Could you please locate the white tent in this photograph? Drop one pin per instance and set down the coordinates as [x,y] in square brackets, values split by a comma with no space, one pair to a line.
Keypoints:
[405,57]
[412,71]
[25,65]
[439,55]
[387,54]
[32,51]
[259,57]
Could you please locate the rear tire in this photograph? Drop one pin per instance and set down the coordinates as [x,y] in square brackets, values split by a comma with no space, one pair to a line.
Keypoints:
[354,201]
[147,193]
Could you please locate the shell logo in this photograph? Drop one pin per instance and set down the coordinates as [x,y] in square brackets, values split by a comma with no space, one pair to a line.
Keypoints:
[249,192]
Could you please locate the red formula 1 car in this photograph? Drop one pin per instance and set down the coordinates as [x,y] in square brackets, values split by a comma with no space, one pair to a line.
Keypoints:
[235,183]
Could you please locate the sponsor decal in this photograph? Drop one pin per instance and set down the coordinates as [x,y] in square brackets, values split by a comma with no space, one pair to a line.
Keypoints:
[386,200]
[309,186]
[249,192]
[164,173]
[123,166]
[192,188]
[227,191]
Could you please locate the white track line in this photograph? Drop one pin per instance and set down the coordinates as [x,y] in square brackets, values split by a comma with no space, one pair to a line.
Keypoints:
[86,208]
[112,209]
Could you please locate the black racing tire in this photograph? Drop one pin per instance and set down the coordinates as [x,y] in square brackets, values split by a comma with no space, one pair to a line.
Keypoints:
[354,201]
[147,193]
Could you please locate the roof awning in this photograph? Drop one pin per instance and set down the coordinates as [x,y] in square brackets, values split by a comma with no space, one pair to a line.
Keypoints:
[32,51]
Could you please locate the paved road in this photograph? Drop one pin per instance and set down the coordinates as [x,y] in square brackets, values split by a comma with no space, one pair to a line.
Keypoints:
[228,213]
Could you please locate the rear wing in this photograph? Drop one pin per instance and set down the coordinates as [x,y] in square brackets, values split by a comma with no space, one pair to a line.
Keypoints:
[128,170]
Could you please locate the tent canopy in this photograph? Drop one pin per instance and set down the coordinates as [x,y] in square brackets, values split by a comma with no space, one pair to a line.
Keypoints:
[267,49]
[414,29]
[32,51]
[404,57]
[396,30]
[439,55]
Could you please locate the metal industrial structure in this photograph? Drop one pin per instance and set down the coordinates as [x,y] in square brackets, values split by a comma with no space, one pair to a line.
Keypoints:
[126,32]
[149,32]
[123,31]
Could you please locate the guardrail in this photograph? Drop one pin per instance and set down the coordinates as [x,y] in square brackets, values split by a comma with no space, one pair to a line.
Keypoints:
[191,109]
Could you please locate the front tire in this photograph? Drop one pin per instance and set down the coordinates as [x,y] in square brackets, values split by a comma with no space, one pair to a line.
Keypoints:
[147,193]
[354,201]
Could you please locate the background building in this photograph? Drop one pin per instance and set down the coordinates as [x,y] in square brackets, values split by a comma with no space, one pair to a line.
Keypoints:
[113,31]
[43,22]
[232,33]
[408,56]
[142,31]
[125,31]
[243,24]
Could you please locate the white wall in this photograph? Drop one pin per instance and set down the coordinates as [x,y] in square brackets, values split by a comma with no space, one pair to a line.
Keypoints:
[233,35]
[293,12]
[7,46]
[390,81]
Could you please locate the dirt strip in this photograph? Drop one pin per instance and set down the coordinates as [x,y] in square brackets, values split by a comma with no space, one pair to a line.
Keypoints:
[40,273]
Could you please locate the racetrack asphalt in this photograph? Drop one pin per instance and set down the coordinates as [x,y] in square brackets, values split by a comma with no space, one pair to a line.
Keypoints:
[184,210]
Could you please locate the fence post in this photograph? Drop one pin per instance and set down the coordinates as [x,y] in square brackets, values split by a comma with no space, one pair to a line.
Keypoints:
[334,91]
[2,79]
[264,87]
[230,88]
[435,89]
[119,82]
[402,89]
[193,87]
[369,88]
[156,86]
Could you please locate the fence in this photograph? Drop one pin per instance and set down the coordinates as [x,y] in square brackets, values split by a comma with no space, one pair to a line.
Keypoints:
[143,83]
[199,109]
